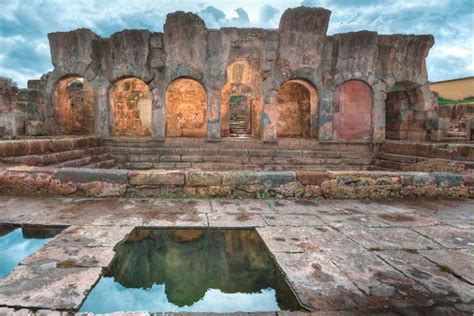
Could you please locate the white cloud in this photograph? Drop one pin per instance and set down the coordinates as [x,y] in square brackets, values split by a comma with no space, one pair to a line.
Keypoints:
[24,24]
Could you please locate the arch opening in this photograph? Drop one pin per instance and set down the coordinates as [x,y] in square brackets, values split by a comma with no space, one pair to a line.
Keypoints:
[73,99]
[297,109]
[400,112]
[186,109]
[241,101]
[352,119]
[131,102]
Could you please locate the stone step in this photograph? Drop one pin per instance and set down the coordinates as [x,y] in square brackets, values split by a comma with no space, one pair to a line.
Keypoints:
[457,133]
[242,159]
[235,152]
[453,139]
[106,164]
[55,158]
[400,158]
[247,167]
[389,164]
[233,142]
[83,161]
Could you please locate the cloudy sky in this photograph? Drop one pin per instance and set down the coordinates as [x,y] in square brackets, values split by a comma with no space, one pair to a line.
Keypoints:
[24,49]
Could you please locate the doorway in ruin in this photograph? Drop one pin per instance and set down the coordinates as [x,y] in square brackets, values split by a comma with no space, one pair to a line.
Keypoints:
[352,119]
[132,105]
[186,109]
[400,112]
[239,115]
[297,108]
[241,101]
[73,100]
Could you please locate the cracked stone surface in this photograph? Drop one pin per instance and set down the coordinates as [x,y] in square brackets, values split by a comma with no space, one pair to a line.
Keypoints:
[386,257]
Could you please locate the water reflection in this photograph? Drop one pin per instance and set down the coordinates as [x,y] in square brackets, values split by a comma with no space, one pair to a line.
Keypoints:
[192,270]
[17,244]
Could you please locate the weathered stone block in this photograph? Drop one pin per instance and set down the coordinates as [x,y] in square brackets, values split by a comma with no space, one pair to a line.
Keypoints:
[273,179]
[312,177]
[103,189]
[447,180]
[83,175]
[240,178]
[6,149]
[203,178]
[157,178]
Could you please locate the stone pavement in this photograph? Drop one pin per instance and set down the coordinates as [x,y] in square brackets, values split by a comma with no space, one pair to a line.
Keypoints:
[343,256]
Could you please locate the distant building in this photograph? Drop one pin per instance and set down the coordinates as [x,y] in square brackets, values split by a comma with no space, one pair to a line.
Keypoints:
[454,89]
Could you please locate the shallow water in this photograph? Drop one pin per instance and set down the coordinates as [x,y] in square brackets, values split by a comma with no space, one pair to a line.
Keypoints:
[192,271]
[16,246]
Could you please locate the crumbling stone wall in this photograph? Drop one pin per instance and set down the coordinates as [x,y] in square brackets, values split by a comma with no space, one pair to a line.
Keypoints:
[73,98]
[8,96]
[131,101]
[186,109]
[294,109]
[299,50]
[22,111]
[406,115]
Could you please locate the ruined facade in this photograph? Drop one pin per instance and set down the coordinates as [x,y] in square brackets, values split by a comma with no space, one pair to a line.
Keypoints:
[294,81]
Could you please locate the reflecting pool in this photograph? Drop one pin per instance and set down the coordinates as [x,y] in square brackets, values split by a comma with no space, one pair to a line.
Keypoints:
[18,243]
[192,271]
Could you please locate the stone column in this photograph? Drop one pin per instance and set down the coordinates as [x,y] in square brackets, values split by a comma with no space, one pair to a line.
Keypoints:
[378,113]
[103,112]
[158,114]
[325,116]
[270,117]
[214,115]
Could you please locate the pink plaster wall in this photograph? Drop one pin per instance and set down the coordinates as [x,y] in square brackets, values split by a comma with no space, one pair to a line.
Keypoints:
[353,112]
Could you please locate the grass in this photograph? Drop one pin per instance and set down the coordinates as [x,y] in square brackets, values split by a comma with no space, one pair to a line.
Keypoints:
[446,269]
[409,250]
[443,101]
[375,249]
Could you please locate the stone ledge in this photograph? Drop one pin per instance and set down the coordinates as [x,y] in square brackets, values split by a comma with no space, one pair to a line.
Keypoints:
[39,146]
[83,175]
[23,180]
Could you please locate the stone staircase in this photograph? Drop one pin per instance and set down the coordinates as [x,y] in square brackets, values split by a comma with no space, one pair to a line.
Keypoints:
[238,154]
[399,155]
[238,128]
[59,153]
[455,137]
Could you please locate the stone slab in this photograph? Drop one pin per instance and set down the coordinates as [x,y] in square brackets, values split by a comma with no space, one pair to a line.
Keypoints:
[235,220]
[460,262]
[449,237]
[443,286]
[389,238]
[90,175]
[298,207]
[298,220]
[318,282]
[47,287]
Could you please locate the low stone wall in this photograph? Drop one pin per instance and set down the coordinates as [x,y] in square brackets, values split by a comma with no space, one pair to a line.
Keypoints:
[239,184]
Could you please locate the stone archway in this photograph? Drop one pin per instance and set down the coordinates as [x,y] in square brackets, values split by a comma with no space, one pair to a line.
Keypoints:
[131,104]
[186,109]
[352,119]
[400,108]
[241,101]
[297,109]
[73,100]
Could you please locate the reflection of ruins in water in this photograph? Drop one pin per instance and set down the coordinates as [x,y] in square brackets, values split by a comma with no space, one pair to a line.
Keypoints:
[189,262]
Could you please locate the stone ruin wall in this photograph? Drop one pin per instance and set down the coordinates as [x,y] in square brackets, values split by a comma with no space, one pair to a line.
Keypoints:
[254,63]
